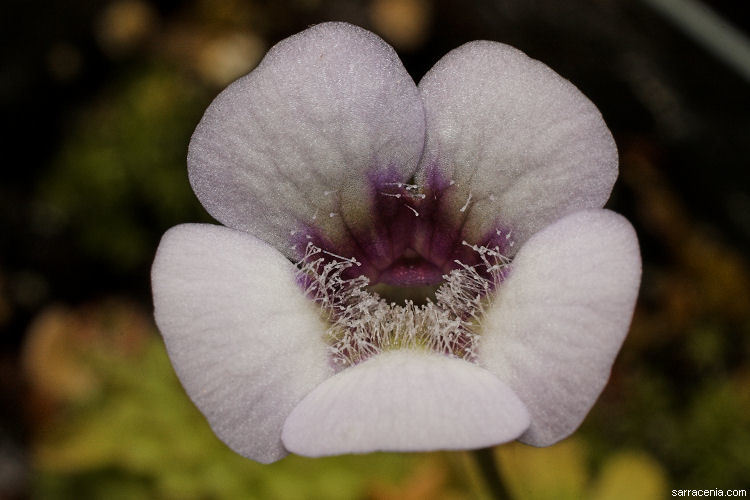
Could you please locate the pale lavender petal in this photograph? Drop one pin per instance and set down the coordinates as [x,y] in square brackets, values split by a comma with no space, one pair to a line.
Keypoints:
[522,145]
[559,319]
[245,342]
[308,138]
[405,401]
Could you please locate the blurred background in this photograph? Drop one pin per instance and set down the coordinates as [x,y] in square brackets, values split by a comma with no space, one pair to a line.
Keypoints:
[99,99]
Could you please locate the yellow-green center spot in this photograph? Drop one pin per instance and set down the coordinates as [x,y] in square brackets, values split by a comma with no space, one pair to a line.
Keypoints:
[400,295]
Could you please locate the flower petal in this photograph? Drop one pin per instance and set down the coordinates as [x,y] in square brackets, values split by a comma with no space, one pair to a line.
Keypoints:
[405,401]
[519,141]
[560,317]
[245,342]
[306,138]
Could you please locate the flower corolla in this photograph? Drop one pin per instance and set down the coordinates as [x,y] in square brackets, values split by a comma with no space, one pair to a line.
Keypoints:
[402,267]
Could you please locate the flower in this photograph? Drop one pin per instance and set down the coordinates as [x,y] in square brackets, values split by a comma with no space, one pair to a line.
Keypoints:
[403,267]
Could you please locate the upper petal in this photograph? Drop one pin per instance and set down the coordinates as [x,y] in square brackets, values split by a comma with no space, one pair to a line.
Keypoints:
[304,139]
[523,145]
[405,401]
[245,342]
[560,317]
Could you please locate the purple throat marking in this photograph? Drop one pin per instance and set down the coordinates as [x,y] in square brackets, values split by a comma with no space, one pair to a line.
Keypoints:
[414,237]
[408,280]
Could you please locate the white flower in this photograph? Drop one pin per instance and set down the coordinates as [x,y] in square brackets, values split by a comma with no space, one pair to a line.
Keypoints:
[337,177]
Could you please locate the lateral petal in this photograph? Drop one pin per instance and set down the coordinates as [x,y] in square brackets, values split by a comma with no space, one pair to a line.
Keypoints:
[244,341]
[560,318]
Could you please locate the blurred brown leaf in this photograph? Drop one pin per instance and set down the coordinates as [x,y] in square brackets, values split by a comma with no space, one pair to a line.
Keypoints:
[60,343]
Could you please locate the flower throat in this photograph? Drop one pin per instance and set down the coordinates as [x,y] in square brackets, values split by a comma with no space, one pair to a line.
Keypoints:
[363,324]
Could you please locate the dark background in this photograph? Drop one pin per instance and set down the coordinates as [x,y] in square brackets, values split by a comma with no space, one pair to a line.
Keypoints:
[99,100]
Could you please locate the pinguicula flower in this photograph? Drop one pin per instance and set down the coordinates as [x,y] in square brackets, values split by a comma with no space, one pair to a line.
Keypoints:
[402,267]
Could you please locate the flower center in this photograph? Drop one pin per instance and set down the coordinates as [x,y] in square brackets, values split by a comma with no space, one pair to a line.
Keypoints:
[406,278]
[411,270]
[363,324]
